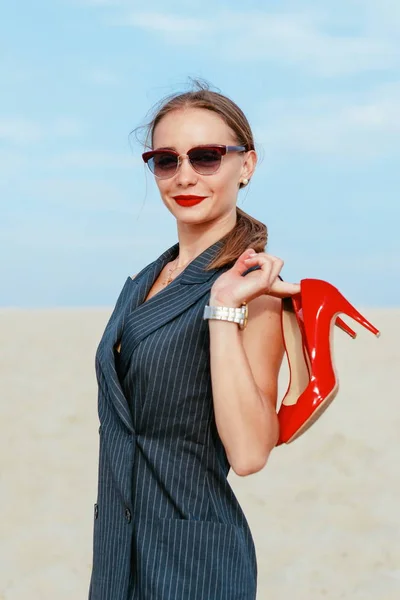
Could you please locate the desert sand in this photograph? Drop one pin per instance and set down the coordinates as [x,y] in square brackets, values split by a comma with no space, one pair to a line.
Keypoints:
[324,511]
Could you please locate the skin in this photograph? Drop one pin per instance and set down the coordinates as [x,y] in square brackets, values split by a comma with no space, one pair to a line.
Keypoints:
[199,226]
[245,395]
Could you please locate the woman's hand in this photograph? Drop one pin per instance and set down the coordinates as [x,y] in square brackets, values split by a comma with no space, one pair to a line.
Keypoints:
[232,289]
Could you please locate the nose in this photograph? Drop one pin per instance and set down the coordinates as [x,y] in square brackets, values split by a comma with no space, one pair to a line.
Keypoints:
[186,175]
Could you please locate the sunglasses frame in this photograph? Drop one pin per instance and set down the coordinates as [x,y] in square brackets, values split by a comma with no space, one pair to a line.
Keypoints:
[222,150]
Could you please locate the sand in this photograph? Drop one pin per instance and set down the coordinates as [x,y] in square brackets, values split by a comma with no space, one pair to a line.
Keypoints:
[324,511]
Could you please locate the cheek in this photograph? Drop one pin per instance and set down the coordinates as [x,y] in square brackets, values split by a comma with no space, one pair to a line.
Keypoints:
[163,187]
[226,183]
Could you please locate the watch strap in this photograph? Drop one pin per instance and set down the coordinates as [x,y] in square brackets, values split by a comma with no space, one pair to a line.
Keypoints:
[227,313]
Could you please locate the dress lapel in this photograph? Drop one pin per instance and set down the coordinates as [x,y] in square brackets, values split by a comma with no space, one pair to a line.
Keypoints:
[106,370]
[133,319]
[145,317]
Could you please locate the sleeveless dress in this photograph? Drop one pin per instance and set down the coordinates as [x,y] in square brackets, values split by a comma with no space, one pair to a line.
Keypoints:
[167,524]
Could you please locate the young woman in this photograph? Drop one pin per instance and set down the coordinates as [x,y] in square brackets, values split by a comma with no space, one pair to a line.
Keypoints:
[188,389]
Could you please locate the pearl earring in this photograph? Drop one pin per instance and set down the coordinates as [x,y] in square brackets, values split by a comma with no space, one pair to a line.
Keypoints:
[245,181]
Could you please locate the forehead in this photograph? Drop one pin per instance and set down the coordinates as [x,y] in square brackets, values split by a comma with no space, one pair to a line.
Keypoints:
[185,128]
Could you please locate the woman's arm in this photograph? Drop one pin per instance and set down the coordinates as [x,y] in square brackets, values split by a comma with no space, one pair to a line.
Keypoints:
[244,372]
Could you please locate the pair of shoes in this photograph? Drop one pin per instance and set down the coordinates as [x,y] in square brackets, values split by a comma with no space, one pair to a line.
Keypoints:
[307,325]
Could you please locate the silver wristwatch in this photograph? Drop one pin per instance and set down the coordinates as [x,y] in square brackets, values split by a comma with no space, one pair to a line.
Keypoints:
[227,313]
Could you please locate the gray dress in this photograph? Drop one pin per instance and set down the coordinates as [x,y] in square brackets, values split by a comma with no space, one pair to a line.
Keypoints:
[167,525]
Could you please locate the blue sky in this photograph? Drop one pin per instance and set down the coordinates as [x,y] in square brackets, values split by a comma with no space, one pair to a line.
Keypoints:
[319,82]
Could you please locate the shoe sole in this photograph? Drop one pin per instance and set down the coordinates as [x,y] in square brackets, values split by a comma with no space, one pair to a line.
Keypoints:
[315,415]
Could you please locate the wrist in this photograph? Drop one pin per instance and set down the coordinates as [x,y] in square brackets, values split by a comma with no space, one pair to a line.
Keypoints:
[224,309]
[223,300]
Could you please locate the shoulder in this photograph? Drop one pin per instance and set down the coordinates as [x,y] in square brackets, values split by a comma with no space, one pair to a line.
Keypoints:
[133,276]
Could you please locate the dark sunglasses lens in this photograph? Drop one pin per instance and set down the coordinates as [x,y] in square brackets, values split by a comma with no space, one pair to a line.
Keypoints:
[163,164]
[205,160]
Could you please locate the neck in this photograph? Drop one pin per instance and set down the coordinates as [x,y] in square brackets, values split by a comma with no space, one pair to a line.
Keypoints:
[194,239]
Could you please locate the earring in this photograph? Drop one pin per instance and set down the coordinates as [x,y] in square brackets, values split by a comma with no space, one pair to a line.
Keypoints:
[245,181]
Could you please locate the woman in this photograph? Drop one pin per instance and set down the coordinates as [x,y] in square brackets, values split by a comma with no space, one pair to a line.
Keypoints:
[183,394]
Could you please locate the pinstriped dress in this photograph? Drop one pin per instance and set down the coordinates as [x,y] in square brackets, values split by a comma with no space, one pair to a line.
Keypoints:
[167,525]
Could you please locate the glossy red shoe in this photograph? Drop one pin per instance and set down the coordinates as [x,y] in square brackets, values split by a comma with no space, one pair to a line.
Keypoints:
[297,306]
[308,337]
[293,336]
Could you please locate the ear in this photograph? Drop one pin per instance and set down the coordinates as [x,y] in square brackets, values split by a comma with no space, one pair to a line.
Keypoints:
[249,165]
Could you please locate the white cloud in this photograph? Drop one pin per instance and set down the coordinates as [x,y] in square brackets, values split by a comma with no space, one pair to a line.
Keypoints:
[13,74]
[381,17]
[95,194]
[55,234]
[301,42]
[99,3]
[64,127]
[18,130]
[175,29]
[103,77]
[301,39]
[349,126]
[21,131]
[12,162]
[16,163]
[94,160]
[169,24]
[83,193]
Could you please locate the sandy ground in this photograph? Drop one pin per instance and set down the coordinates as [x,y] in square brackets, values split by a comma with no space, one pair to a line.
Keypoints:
[324,511]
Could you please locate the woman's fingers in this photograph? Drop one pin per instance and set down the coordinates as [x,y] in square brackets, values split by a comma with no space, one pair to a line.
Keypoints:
[241,263]
[277,265]
[271,267]
[282,289]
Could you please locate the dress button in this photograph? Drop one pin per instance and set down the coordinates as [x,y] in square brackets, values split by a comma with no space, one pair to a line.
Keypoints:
[96,511]
[128,515]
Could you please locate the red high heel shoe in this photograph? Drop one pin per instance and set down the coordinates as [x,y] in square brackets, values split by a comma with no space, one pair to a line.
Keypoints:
[293,336]
[299,363]
[308,338]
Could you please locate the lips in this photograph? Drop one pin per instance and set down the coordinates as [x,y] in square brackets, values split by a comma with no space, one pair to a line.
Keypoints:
[188,200]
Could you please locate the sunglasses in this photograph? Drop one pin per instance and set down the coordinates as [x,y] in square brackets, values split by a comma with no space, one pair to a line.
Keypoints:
[205,159]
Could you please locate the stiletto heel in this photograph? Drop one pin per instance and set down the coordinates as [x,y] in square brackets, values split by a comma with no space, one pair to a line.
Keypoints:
[296,303]
[293,303]
[344,327]
[318,291]
[319,303]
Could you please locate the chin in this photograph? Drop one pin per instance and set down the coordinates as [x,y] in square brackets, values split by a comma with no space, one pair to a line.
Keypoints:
[187,211]
[192,220]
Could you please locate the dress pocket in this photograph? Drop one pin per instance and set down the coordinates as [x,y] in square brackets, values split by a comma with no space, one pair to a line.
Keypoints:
[204,559]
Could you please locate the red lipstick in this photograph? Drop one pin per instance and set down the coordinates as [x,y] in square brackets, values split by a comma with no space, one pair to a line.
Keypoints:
[188,200]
